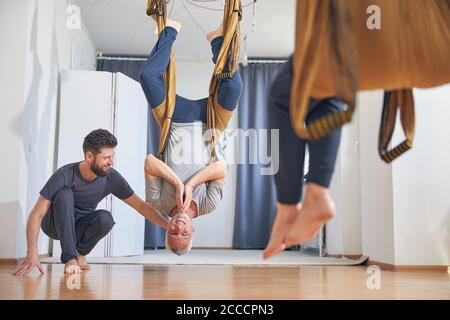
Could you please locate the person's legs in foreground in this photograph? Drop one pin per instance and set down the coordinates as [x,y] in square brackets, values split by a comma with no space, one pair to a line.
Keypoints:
[296,223]
[291,162]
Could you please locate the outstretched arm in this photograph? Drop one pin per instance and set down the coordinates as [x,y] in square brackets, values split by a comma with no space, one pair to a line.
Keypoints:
[146,210]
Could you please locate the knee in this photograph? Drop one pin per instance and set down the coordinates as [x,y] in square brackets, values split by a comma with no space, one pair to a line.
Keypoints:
[236,84]
[105,221]
[64,197]
[230,92]
[153,87]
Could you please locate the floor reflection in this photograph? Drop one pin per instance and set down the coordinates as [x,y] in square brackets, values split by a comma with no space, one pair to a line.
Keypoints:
[219,282]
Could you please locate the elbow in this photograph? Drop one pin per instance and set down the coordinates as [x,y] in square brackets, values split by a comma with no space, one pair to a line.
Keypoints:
[221,169]
[149,163]
[149,159]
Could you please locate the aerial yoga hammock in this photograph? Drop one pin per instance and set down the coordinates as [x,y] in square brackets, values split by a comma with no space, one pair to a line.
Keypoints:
[217,116]
[336,54]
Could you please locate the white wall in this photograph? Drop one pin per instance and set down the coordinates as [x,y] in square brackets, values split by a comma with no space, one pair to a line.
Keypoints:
[405,206]
[39,46]
[421,179]
[12,77]
[216,228]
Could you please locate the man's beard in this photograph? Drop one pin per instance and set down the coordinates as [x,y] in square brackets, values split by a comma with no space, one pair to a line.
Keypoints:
[98,171]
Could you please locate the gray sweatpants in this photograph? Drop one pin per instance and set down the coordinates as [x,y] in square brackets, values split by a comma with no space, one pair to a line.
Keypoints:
[81,235]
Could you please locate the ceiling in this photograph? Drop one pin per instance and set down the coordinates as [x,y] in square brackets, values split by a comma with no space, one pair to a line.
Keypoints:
[121,27]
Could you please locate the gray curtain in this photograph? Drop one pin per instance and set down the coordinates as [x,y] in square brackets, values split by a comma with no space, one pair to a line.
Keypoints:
[255,193]
[154,235]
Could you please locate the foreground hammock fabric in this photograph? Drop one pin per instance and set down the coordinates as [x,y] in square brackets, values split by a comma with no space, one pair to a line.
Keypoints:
[336,54]
[217,116]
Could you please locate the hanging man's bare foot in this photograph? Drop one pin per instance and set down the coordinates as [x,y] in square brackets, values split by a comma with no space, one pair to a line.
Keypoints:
[285,218]
[317,209]
[216,33]
[82,263]
[72,267]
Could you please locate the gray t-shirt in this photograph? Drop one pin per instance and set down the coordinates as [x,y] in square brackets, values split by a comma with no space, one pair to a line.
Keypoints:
[87,194]
[187,152]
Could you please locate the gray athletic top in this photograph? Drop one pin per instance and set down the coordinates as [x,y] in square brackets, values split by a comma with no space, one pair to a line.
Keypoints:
[87,194]
[186,154]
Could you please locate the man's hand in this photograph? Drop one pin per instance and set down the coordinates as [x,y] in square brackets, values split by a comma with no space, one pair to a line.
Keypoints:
[146,210]
[188,189]
[30,262]
[179,187]
[33,224]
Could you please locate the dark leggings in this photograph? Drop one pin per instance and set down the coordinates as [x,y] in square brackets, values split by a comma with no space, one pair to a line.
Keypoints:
[322,153]
[81,235]
[186,110]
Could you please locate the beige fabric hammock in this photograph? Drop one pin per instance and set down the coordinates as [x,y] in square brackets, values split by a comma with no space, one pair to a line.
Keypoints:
[217,116]
[336,54]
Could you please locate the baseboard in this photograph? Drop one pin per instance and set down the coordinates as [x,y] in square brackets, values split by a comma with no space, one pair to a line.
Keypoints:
[19,260]
[212,248]
[348,256]
[393,267]
[9,261]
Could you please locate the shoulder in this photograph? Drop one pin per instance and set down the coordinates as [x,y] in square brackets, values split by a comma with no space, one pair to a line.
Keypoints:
[114,175]
[67,170]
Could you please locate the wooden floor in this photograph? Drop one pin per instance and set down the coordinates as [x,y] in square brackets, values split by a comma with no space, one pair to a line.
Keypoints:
[221,282]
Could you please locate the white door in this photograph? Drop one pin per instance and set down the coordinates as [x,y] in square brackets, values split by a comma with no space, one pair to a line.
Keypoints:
[127,236]
[85,105]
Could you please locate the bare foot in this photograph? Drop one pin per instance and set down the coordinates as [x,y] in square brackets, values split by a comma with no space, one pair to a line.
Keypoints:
[285,218]
[174,24]
[317,209]
[216,33]
[72,267]
[82,263]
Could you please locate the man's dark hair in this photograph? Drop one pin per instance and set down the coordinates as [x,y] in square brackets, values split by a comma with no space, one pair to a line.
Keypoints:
[98,139]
